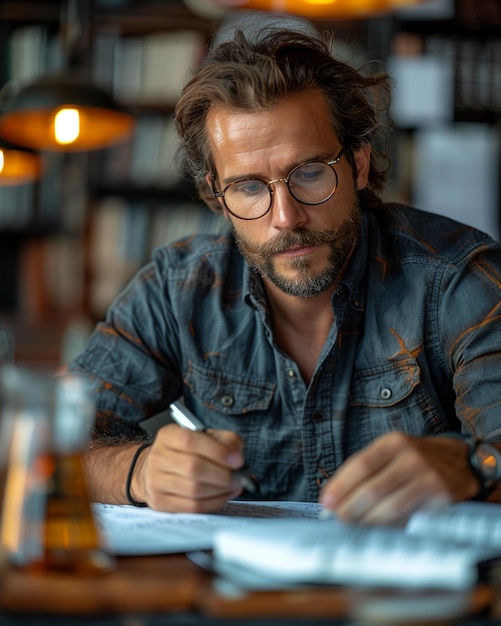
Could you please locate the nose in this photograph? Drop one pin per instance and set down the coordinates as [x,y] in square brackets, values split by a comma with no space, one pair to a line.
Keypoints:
[287,213]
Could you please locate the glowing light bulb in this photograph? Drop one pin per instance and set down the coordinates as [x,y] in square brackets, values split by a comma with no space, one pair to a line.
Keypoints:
[67,126]
[2,161]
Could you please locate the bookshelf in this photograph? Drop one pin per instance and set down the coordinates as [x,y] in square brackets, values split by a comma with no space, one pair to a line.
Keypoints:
[447,109]
[70,241]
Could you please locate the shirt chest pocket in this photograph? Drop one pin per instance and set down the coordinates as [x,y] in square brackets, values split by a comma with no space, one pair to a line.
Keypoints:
[225,397]
[386,386]
[390,398]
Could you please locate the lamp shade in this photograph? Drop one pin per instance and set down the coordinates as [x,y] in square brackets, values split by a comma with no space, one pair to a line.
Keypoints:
[323,9]
[89,118]
[18,165]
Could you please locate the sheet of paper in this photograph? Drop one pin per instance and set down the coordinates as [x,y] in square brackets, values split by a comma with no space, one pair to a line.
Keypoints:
[129,530]
[474,523]
[296,551]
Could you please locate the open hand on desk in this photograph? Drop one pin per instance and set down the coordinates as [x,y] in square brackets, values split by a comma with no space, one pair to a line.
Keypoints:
[398,474]
[187,471]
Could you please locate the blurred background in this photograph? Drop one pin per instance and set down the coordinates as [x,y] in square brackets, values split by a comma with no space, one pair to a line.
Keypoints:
[80,215]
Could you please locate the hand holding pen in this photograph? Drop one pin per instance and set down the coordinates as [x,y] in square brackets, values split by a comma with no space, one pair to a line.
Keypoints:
[185,471]
[186,419]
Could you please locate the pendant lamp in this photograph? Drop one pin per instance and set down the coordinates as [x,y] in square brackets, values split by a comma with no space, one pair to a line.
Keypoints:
[64,113]
[67,111]
[18,165]
[323,9]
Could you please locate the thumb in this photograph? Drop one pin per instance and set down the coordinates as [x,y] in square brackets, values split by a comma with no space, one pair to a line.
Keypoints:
[234,444]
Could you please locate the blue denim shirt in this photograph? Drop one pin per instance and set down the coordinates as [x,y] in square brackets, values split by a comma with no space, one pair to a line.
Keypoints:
[415,347]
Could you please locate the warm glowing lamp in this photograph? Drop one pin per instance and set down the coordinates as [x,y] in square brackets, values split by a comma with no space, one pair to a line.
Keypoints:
[65,114]
[66,126]
[18,166]
[323,9]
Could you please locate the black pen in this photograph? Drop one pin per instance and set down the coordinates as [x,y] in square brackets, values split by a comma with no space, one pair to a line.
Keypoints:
[185,418]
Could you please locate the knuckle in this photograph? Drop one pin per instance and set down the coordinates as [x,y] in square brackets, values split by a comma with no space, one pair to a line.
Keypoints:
[397,440]
[195,506]
[192,466]
[194,491]
[185,439]
[416,462]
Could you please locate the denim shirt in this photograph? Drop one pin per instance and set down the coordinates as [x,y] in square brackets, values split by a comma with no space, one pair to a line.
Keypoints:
[415,347]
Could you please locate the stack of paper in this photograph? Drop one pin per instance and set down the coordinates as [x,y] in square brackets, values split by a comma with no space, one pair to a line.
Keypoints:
[274,544]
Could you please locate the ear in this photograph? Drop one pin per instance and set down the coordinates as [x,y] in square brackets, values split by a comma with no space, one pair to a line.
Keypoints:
[362,158]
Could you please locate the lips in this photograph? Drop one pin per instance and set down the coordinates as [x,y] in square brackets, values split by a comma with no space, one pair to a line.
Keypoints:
[297,251]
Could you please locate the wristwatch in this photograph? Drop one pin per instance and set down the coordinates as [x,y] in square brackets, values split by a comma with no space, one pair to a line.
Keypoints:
[484,460]
[485,463]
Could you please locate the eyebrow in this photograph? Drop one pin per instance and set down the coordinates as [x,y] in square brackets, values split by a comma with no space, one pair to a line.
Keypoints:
[316,157]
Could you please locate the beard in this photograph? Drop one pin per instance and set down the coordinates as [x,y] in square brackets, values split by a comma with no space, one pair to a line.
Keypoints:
[306,282]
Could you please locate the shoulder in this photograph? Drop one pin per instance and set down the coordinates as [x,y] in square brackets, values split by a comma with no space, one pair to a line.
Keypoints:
[196,252]
[419,235]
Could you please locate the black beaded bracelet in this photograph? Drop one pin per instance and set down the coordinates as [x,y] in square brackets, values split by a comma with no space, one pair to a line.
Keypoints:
[131,471]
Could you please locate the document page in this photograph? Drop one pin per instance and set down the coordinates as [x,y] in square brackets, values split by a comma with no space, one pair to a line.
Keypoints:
[286,543]
[328,552]
[437,549]
[129,530]
[474,523]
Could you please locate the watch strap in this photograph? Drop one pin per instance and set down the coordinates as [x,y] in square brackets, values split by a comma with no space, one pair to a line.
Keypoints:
[486,486]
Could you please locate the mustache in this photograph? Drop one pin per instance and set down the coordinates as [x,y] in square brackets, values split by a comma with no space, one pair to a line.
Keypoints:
[298,238]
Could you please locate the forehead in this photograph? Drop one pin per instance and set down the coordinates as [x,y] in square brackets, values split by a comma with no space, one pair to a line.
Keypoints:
[295,129]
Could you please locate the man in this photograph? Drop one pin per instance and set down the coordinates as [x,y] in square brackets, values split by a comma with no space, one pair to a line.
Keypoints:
[328,340]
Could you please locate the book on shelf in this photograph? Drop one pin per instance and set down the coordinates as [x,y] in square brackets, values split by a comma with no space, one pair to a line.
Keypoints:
[450,158]
[50,277]
[33,51]
[17,206]
[436,549]
[152,69]
[123,235]
[148,160]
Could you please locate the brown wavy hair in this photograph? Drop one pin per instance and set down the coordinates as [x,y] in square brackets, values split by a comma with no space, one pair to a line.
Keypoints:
[255,73]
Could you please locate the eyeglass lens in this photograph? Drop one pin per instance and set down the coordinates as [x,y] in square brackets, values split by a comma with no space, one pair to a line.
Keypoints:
[310,183]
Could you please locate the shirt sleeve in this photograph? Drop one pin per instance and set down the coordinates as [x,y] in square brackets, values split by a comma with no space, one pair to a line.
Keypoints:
[130,356]
[468,334]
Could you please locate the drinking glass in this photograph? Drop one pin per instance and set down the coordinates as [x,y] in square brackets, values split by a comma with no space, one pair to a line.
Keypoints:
[47,520]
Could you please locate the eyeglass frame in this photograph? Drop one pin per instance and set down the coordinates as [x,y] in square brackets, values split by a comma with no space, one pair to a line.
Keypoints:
[269,183]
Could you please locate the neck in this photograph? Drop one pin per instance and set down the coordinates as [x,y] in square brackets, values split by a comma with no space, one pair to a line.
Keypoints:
[300,326]
[293,310]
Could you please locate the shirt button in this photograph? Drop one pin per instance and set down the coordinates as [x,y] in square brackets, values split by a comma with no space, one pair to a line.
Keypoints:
[318,417]
[385,393]
[227,401]
[291,373]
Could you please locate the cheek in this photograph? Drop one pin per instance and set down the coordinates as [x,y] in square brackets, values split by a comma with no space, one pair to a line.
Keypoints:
[248,230]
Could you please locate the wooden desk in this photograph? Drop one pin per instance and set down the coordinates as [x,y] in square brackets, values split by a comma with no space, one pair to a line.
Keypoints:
[171,585]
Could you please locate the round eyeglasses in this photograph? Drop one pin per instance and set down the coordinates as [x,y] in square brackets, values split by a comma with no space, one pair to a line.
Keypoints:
[312,182]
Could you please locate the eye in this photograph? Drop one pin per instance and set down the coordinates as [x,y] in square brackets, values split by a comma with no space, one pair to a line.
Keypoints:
[310,173]
[249,187]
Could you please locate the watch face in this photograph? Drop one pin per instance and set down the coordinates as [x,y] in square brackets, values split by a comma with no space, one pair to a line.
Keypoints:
[488,461]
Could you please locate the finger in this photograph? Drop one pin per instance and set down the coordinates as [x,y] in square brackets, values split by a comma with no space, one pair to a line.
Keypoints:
[177,493]
[359,469]
[401,487]
[181,504]
[220,447]
[194,468]
[412,496]
[234,442]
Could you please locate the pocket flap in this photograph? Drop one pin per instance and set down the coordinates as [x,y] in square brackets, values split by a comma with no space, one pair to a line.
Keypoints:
[229,394]
[385,386]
